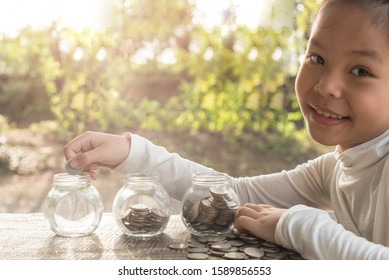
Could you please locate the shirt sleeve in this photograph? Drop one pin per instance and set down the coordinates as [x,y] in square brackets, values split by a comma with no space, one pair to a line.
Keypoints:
[175,172]
[315,235]
[304,184]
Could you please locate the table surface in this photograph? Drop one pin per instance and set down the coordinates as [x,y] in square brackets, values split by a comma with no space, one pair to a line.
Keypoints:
[29,237]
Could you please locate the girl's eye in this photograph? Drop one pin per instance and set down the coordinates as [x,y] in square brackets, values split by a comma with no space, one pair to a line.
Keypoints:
[316,59]
[362,72]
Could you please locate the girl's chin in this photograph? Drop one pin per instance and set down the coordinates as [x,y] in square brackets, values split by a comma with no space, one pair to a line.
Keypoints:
[323,137]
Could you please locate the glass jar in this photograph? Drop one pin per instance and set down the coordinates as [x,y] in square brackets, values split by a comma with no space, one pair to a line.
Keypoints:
[210,205]
[142,206]
[73,207]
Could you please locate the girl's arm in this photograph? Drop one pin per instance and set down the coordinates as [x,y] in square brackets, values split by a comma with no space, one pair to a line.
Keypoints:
[302,185]
[315,235]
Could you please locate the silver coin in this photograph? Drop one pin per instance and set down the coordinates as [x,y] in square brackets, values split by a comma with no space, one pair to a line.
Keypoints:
[140,217]
[248,237]
[215,213]
[231,236]
[242,248]
[269,245]
[178,245]
[70,170]
[217,253]
[198,256]
[237,243]
[140,208]
[235,256]
[273,256]
[218,191]
[197,245]
[271,249]
[232,249]
[254,252]
[215,245]
[198,250]
[210,238]
[221,247]
[215,239]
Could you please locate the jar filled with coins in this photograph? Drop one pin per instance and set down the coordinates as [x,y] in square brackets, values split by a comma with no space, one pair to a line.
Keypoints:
[142,206]
[210,205]
[73,207]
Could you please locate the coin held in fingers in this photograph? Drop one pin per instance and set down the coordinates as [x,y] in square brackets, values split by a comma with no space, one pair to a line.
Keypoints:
[70,170]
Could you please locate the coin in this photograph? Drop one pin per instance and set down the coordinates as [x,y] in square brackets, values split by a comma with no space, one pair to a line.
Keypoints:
[196,245]
[271,249]
[198,250]
[235,256]
[140,208]
[232,249]
[217,253]
[198,256]
[221,247]
[215,213]
[178,245]
[248,237]
[237,243]
[216,247]
[274,256]
[70,170]
[254,252]
[269,245]
[211,238]
[140,217]
[218,191]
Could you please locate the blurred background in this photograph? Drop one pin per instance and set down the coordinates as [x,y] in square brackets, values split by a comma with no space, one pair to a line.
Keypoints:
[211,80]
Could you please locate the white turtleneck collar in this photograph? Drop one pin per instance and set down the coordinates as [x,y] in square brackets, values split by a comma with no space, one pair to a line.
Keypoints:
[364,155]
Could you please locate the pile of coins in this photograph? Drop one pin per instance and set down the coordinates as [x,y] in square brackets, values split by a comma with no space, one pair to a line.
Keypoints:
[234,246]
[213,213]
[142,218]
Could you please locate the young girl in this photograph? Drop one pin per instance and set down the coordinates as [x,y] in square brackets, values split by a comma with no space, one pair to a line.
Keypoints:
[335,206]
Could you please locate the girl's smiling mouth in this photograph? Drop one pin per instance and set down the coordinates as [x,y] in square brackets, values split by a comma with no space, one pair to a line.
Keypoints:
[326,117]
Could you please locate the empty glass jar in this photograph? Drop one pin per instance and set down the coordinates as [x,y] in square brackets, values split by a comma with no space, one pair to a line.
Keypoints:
[142,206]
[73,207]
[210,205]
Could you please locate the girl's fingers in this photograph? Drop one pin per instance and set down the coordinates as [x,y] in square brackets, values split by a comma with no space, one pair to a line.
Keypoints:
[92,174]
[252,210]
[248,212]
[257,207]
[242,223]
[77,145]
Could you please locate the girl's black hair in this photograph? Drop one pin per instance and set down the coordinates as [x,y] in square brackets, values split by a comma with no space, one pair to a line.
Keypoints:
[379,10]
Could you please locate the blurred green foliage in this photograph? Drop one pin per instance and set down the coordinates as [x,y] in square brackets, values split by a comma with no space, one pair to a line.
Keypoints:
[231,79]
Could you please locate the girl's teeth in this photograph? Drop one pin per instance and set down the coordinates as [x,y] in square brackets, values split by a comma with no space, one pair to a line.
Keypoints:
[328,115]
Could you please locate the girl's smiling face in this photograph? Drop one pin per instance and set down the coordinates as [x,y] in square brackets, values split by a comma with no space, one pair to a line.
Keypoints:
[343,84]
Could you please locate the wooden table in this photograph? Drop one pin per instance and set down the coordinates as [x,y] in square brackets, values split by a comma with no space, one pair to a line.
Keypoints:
[29,237]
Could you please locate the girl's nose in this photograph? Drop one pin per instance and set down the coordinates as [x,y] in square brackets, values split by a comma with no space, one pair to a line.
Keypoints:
[329,85]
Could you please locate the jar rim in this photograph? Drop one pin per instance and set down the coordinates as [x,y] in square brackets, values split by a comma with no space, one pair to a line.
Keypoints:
[67,178]
[140,177]
[210,176]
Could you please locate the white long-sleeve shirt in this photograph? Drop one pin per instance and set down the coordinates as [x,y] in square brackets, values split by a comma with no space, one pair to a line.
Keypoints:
[354,184]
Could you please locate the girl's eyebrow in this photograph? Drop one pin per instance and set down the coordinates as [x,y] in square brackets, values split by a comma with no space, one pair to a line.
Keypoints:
[316,43]
[368,53]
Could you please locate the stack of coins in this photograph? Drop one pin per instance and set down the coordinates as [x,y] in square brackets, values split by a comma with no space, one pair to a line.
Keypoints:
[234,246]
[142,218]
[214,213]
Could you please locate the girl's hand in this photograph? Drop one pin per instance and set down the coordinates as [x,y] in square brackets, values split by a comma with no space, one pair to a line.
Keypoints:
[259,219]
[94,149]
